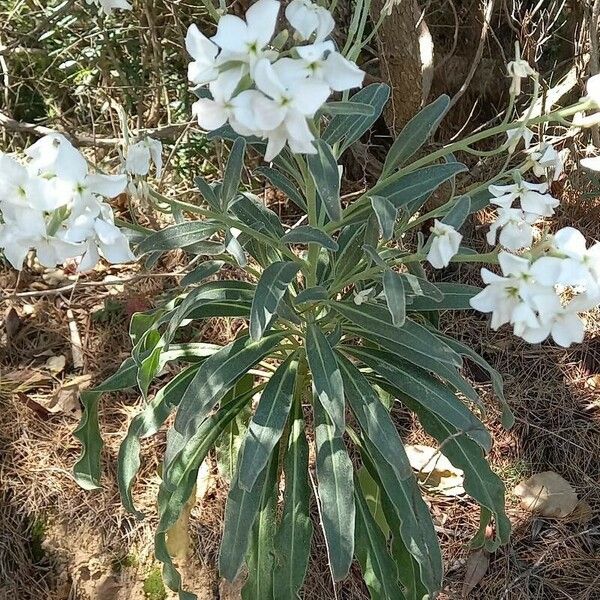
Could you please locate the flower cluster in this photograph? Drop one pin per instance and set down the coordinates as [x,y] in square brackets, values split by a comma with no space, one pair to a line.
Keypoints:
[542,296]
[258,88]
[54,205]
[516,223]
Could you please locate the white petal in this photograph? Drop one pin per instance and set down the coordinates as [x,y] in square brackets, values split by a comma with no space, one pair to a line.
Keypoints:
[314,52]
[261,18]
[210,114]
[547,270]
[511,264]
[275,144]
[302,17]
[309,96]
[570,241]
[232,34]
[592,163]
[109,186]
[341,74]
[325,23]
[268,114]
[137,161]
[267,81]
[567,330]
[199,46]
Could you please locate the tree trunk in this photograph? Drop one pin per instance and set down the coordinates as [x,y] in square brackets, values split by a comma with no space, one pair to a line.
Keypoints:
[406,59]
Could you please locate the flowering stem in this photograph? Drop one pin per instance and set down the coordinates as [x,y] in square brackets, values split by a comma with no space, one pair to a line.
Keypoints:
[361,204]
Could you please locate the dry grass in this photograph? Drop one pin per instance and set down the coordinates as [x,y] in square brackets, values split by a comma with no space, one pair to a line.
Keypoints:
[550,390]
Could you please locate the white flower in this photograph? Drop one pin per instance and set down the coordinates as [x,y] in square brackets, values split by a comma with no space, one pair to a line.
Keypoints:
[52,206]
[107,6]
[514,136]
[141,154]
[544,158]
[509,297]
[308,18]
[581,265]
[362,296]
[516,227]
[532,197]
[444,244]
[53,155]
[214,113]
[203,69]
[322,62]
[518,69]
[245,41]
[592,88]
[286,89]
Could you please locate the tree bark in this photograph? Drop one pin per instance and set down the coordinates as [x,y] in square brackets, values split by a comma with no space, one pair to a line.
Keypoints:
[406,59]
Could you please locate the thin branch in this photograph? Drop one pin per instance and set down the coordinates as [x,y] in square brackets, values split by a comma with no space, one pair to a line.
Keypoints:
[160,133]
[487,17]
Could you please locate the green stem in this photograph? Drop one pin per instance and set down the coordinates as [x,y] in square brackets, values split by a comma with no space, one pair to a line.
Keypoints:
[229,222]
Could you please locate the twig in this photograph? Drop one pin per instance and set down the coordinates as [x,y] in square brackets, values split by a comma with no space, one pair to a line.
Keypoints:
[76,345]
[87,284]
[487,17]
[159,133]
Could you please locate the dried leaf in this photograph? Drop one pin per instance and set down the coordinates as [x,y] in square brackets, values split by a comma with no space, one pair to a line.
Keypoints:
[12,323]
[547,494]
[477,567]
[435,471]
[56,364]
[64,401]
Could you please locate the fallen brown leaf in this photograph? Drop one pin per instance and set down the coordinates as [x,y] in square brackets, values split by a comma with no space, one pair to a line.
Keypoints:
[477,567]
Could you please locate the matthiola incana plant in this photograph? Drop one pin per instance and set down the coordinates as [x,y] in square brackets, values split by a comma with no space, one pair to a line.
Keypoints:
[340,309]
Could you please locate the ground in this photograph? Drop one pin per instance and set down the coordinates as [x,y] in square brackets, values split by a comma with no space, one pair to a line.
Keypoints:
[60,542]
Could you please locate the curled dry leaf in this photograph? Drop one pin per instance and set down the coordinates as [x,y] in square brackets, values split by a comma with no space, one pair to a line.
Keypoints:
[435,471]
[477,567]
[547,494]
[12,323]
[65,401]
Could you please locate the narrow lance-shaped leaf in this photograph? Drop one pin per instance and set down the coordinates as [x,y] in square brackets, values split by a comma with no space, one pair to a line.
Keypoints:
[416,527]
[480,482]
[336,497]
[326,376]
[377,566]
[386,214]
[143,425]
[393,288]
[375,323]
[270,290]
[87,467]
[458,213]
[292,541]
[240,513]
[348,108]
[260,560]
[228,445]
[508,419]
[203,271]
[306,234]
[216,376]
[415,133]
[233,172]
[171,500]
[178,236]
[349,128]
[324,170]
[283,183]
[429,392]
[268,422]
